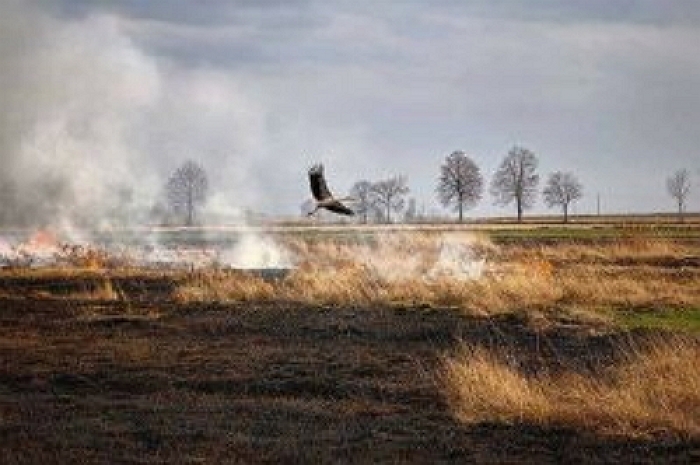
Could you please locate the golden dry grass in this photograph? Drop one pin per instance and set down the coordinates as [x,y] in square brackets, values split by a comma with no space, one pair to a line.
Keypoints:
[656,390]
[455,269]
[410,269]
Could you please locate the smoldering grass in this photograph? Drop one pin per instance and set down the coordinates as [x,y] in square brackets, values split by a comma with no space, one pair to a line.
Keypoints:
[401,269]
[428,268]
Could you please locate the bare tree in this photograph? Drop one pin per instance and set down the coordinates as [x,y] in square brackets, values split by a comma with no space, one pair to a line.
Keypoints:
[516,180]
[561,190]
[187,189]
[389,195]
[364,199]
[678,186]
[460,183]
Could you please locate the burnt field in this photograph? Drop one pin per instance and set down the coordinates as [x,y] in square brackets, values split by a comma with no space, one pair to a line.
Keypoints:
[84,381]
[547,356]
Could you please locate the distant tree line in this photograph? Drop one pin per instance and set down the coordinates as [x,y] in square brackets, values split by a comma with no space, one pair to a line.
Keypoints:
[460,186]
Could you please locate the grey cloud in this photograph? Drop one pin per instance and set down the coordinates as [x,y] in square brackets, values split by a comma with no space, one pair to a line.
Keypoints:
[260,90]
[185,12]
[213,12]
[619,11]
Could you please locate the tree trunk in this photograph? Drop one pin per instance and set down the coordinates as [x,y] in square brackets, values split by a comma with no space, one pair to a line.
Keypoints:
[566,213]
[680,211]
[519,204]
[461,217]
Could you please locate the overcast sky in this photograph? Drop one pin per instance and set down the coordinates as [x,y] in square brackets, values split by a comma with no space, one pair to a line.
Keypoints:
[256,91]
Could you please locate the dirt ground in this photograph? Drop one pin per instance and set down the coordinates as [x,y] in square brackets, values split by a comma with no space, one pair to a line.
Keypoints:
[149,380]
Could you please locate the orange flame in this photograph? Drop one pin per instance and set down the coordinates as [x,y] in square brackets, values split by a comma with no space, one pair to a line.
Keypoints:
[42,239]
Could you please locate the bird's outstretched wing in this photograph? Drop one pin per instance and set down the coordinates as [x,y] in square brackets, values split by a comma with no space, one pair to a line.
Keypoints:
[337,207]
[318,183]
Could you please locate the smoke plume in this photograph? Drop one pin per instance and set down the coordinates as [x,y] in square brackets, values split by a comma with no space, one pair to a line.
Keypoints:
[92,125]
[71,96]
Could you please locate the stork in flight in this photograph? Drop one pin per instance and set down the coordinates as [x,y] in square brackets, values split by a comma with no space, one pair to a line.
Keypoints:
[323,196]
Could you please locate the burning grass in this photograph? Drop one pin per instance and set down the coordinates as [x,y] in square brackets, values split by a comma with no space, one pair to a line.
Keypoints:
[655,390]
[434,268]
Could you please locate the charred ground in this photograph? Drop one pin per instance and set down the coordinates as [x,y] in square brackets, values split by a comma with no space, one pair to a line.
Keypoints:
[154,380]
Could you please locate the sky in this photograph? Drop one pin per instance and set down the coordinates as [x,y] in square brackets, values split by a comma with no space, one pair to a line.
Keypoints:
[104,100]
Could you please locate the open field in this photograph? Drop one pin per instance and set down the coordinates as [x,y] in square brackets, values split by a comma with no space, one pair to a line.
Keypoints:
[409,347]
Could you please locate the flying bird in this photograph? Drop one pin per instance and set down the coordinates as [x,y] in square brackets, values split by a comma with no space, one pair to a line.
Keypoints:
[323,196]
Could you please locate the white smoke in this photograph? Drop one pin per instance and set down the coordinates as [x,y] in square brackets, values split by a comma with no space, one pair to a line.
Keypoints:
[402,256]
[256,251]
[8,253]
[87,88]
[393,257]
[457,259]
[92,125]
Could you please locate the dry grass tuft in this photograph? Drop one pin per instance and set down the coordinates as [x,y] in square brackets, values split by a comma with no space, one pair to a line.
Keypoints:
[483,387]
[656,390]
[213,286]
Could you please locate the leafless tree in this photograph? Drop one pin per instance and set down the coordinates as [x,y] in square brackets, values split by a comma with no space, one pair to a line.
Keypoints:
[561,190]
[363,199]
[460,183]
[389,195]
[516,180]
[187,189]
[678,186]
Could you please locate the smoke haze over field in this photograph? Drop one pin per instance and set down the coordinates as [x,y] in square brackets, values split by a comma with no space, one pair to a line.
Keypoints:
[101,101]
